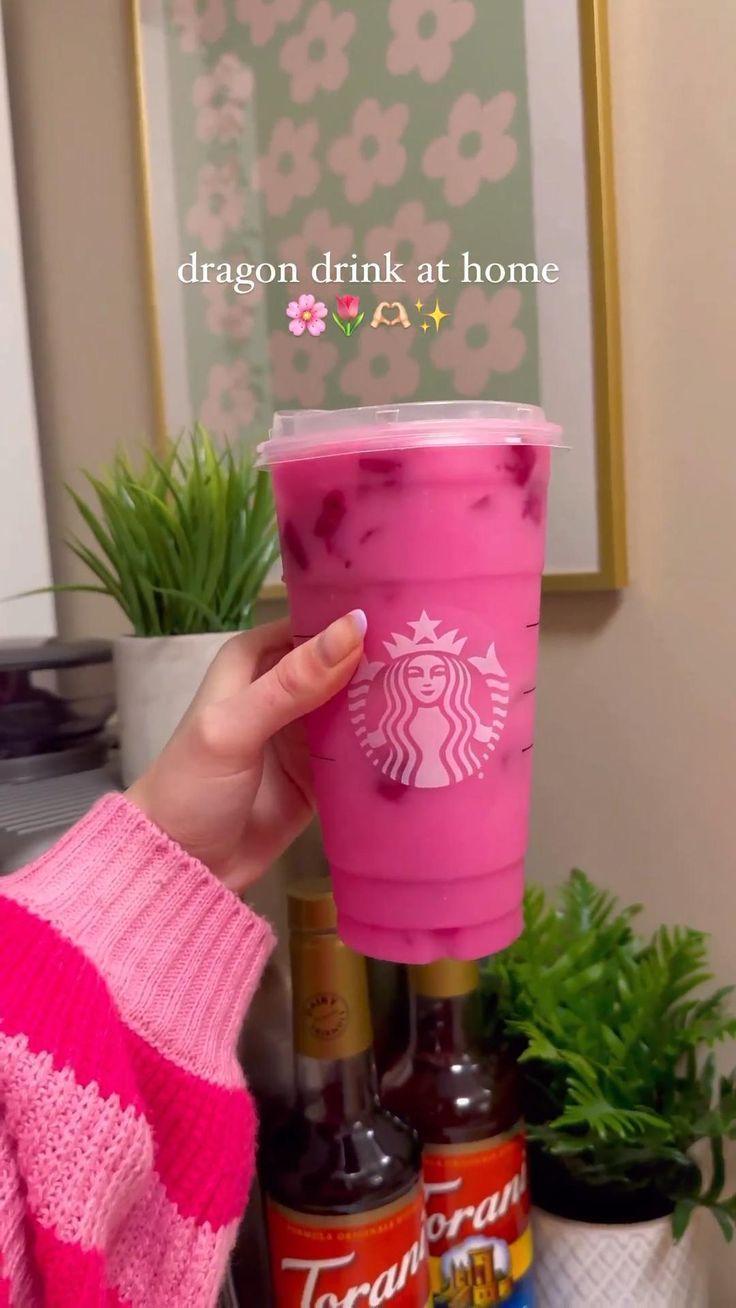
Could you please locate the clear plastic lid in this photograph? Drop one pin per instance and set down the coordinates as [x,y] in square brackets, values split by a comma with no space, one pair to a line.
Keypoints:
[312,433]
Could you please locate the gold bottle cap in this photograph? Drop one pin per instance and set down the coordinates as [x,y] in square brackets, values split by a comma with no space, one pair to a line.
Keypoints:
[447,978]
[311,905]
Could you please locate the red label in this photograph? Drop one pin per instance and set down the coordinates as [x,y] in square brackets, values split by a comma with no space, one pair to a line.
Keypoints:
[477,1200]
[364,1260]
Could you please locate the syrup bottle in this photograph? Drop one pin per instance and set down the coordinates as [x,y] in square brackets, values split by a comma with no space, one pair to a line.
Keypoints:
[464,1102]
[344,1204]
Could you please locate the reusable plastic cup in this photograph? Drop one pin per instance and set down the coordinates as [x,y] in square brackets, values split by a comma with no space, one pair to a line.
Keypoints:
[431,517]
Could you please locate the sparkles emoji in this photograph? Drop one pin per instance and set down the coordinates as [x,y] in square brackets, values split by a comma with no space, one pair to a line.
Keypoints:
[437,315]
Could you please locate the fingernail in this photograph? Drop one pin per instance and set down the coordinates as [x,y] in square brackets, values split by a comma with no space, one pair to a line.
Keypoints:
[360,620]
[340,638]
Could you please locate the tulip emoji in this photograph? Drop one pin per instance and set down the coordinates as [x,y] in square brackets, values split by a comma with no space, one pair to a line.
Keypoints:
[347,316]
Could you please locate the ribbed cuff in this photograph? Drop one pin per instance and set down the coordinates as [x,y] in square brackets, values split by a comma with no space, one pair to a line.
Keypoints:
[181,955]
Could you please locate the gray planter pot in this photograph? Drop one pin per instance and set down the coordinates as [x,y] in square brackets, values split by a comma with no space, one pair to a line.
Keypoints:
[156,679]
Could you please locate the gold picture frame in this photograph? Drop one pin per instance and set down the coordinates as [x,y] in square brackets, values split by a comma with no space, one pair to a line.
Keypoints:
[598,126]
[612,572]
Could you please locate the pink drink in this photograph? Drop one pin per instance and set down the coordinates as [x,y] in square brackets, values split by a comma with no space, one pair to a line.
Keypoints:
[432,519]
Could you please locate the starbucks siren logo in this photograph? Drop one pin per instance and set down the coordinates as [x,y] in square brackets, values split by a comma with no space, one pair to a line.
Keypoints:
[428,732]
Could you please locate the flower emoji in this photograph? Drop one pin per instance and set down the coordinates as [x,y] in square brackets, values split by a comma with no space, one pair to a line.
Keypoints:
[347,316]
[307,315]
[347,306]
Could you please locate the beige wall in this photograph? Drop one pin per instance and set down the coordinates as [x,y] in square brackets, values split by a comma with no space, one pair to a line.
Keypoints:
[72,108]
[636,740]
[636,754]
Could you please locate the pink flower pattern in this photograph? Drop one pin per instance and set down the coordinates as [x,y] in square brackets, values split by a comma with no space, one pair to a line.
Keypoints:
[200,22]
[318,236]
[383,369]
[412,239]
[220,98]
[229,312]
[371,154]
[220,204]
[264,16]
[500,346]
[489,153]
[289,170]
[431,53]
[299,369]
[230,404]
[307,314]
[482,337]
[315,59]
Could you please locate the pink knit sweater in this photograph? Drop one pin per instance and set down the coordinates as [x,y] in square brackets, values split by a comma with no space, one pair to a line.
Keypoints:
[126,1131]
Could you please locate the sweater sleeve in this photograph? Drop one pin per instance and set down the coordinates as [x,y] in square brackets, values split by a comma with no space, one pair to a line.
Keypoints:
[126,1131]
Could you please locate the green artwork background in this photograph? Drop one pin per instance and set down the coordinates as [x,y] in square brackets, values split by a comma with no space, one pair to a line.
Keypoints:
[495,224]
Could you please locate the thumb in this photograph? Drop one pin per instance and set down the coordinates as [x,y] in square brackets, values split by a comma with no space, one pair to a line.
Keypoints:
[236,729]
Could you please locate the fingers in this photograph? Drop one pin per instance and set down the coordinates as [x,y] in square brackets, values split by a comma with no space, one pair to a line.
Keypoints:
[241,658]
[235,730]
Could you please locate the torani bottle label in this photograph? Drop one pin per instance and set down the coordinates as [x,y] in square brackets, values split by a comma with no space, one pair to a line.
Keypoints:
[364,1260]
[478,1232]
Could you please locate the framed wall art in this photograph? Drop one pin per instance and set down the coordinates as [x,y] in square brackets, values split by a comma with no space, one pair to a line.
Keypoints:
[280,138]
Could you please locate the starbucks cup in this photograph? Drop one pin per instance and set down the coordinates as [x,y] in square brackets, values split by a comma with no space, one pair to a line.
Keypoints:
[431,518]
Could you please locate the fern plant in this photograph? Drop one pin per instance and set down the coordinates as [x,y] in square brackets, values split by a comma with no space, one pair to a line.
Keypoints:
[184,542]
[615,1035]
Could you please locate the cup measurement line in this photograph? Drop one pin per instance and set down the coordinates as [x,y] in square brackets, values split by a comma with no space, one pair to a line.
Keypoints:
[530,691]
[526,748]
[532,624]
[324,758]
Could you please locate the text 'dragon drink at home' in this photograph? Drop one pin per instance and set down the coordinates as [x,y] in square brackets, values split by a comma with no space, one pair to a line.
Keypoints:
[463,1101]
[345,1209]
[430,517]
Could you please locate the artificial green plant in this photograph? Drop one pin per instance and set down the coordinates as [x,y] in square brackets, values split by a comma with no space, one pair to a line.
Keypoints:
[184,541]
[616,1036]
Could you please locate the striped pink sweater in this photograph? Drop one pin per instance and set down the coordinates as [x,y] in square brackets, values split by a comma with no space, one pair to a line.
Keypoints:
[126,1132]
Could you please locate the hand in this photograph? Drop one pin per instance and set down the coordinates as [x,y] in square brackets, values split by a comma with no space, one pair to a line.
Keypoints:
[233,786]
